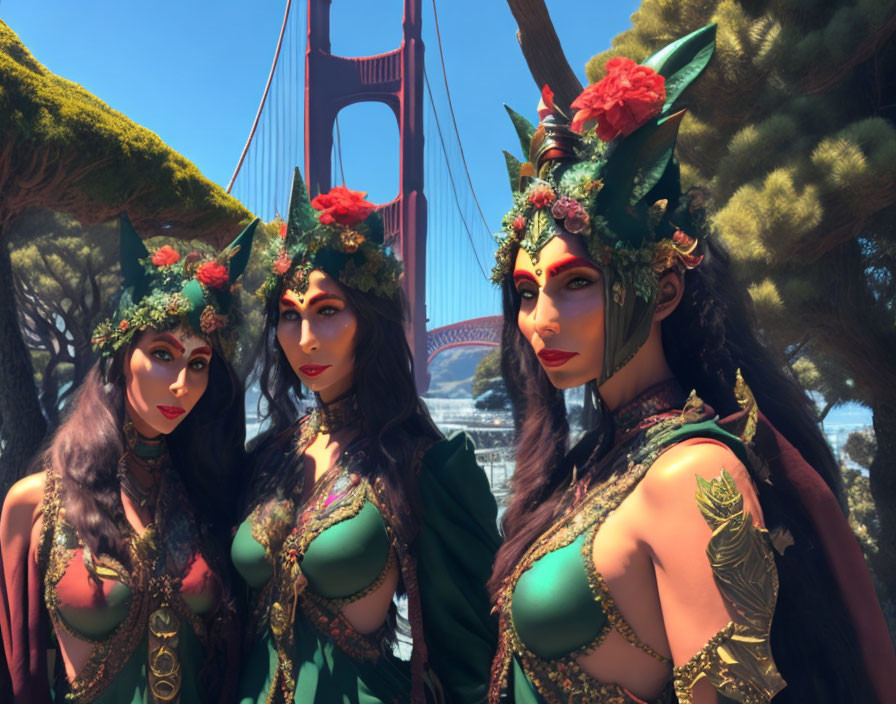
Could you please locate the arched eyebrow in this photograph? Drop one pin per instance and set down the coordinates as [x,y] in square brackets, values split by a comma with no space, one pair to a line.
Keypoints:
[322,296]
[171,340]
[523,275]
[205,349]
[570,262]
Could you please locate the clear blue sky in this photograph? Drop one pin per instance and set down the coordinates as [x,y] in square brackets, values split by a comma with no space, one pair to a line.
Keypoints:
[193,71]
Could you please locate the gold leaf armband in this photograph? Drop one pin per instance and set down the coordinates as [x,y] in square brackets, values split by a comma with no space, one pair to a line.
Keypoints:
[737,660]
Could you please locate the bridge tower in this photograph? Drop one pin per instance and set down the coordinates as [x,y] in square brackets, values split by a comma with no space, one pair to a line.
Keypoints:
[396,79]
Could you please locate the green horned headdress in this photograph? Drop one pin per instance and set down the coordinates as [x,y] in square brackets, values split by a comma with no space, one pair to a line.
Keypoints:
[339,233]
[163,290]
[610,176]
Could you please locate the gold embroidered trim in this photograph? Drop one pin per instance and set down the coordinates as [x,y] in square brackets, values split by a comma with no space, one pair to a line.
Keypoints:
[737,661]
[562,680]
[148,579]
[602,593]
[745,399]
[289,591]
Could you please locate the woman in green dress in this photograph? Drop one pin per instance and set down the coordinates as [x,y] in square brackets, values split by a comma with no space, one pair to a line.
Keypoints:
[116,546]
[362,500]
[669,555]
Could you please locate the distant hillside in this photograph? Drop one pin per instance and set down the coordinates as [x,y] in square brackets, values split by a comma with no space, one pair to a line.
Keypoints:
[451,372]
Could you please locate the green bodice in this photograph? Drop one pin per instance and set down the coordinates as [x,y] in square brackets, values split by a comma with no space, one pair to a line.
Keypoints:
[116,609]
[340,563]
[306,560]
[554,610]
[555,606]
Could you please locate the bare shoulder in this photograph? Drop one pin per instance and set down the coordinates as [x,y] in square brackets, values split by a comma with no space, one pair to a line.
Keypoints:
[671,482]
[24,497]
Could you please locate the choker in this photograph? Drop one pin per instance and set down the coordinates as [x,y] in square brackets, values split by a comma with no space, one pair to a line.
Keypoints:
[339,413]
[662,397]
[150,454]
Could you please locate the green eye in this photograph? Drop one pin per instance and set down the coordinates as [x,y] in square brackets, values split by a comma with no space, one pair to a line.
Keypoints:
[579,282]
[328,311]
[162,354]
[527,294]
[198,365]
[290,315]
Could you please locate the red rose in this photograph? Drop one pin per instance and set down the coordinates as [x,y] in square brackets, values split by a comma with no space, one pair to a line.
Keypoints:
[628,96]
[542,196]
[124,325]
[518,224]
[213,274]
[343,206]
[165,256]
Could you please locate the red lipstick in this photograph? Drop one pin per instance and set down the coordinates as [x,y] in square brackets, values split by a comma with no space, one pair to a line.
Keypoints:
[555,358]
[171,412]
[313,369]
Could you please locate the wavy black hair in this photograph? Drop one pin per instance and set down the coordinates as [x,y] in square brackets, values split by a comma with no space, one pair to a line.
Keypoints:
[206,448]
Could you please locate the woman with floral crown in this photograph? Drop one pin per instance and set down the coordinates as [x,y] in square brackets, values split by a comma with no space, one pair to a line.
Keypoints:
[668,555]
[116,545]
[362,500]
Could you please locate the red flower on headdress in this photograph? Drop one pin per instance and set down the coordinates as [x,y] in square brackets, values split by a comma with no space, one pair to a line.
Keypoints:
[546,106]
[343,206]
[165,256]
[518,224]
[282,263]
[282,232]
[542,195]
[628,96]
[213,275]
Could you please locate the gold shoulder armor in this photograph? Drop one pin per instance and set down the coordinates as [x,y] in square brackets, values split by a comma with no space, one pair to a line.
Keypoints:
[738,659]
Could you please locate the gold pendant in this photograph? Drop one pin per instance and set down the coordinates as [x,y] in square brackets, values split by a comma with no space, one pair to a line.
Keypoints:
[164,665]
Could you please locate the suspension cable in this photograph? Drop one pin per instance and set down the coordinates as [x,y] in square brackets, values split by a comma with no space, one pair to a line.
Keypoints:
[463,157]
[339,150]
[451,176]
[264,97]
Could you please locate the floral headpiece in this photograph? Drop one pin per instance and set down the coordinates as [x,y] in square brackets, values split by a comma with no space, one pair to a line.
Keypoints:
[164,289]
[610,176]
[339,233]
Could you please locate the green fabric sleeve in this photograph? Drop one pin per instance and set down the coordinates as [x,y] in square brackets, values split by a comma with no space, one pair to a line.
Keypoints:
[456,548]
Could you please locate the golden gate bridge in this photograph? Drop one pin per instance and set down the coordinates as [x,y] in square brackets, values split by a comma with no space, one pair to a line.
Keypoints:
[435,222]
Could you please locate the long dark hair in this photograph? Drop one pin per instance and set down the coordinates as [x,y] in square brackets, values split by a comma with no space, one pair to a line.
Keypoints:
[711,334]
[206,451]
[394,422]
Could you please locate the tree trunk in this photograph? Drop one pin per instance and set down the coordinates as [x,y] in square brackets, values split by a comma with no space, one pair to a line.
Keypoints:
[882,476]
[23,423]
[543,52]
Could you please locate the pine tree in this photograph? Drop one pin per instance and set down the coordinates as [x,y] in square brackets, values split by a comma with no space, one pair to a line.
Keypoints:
[791,129]
[64,150]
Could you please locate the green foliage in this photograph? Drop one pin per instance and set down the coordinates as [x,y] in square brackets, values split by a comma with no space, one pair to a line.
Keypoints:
[488,384]
[862,514]
[792,130]
[106,163]
[861,446]
[64,275]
